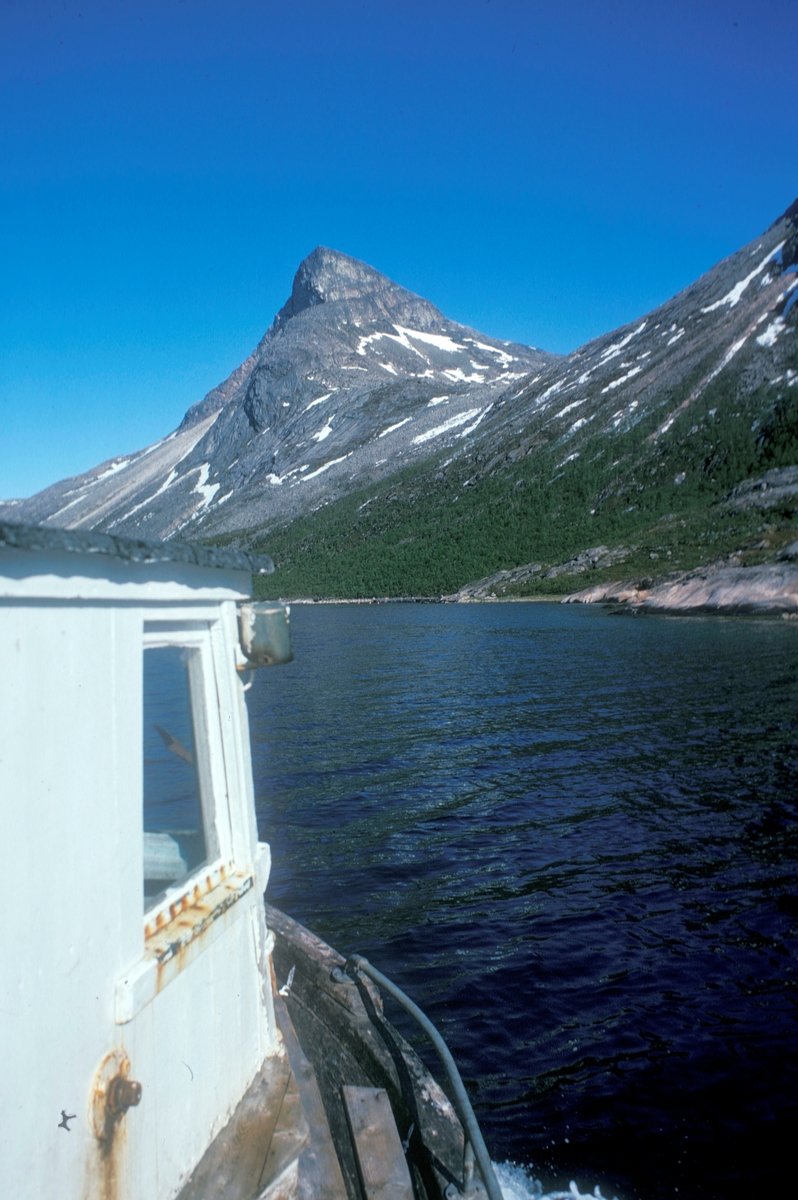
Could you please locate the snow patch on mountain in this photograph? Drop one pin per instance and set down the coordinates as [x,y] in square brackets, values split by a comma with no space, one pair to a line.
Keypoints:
[322,469]
[324,432]
[319,400]
[733,297]
[202,488]
[446,427]
[392,428]
[405,337]
[458,375]
[167,483]
[504,358]
[465,432]
[621,379]
[771,334]
[569,408]
[615,349]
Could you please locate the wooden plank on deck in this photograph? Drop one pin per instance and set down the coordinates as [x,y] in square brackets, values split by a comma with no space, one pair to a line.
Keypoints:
[381,1159]
[319,1168]
[231,1167]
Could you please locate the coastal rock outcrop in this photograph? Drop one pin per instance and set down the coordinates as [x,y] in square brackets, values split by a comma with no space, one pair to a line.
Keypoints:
[769,588]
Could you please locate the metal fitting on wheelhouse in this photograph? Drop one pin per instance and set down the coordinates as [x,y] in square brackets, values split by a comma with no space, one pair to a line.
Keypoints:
[264,630]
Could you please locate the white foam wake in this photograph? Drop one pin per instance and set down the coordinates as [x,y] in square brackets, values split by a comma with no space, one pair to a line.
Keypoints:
[517,1183]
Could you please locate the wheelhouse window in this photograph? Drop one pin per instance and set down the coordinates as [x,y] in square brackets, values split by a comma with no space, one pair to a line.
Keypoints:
[178,816]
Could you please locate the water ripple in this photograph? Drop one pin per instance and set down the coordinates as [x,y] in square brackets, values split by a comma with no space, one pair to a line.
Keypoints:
[573,838]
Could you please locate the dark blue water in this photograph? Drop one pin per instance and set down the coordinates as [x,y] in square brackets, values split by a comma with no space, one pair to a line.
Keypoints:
[572,838]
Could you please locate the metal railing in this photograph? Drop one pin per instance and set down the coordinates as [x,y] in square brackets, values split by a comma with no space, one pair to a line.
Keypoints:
[475,1148]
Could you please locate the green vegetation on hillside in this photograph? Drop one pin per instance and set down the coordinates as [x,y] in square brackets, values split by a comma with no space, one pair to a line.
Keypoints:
[432,528]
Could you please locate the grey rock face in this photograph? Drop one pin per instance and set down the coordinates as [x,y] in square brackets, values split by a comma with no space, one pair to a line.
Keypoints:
[326,277]
[768,490]
[771,588]
[355,377]
[596,558]
[495,587]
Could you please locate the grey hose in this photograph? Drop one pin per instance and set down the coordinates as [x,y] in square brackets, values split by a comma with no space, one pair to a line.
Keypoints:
[459,1095]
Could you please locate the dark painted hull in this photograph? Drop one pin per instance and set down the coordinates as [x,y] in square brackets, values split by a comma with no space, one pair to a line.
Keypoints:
[347,1040]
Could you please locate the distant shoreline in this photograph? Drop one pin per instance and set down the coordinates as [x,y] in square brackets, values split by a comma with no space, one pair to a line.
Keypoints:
[766,590]
[431,600]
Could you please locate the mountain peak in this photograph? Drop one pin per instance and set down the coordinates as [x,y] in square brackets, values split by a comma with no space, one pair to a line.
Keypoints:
[327,275]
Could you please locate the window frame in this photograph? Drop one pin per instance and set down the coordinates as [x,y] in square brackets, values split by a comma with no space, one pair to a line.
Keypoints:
[197,636]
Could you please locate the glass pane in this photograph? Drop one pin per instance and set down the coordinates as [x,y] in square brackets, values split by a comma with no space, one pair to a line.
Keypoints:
[174,835]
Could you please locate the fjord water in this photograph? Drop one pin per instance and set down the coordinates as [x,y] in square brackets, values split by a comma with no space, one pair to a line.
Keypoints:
[571,837]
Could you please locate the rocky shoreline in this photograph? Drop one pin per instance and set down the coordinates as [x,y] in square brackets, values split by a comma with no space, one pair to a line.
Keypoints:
[771,588]
[366,600]
[722,587]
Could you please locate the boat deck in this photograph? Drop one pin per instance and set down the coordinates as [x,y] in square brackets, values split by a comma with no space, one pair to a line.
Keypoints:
[345,1110]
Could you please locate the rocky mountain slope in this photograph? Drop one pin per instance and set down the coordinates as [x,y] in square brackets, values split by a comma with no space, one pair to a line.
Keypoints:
[350,361]
[667,443]
[377,448]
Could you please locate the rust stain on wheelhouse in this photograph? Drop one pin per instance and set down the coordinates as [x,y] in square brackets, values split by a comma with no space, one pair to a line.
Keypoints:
[106,1175]
[107,1164]
[186,921]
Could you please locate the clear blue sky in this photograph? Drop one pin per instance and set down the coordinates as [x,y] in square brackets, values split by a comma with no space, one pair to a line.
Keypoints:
[543,172]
